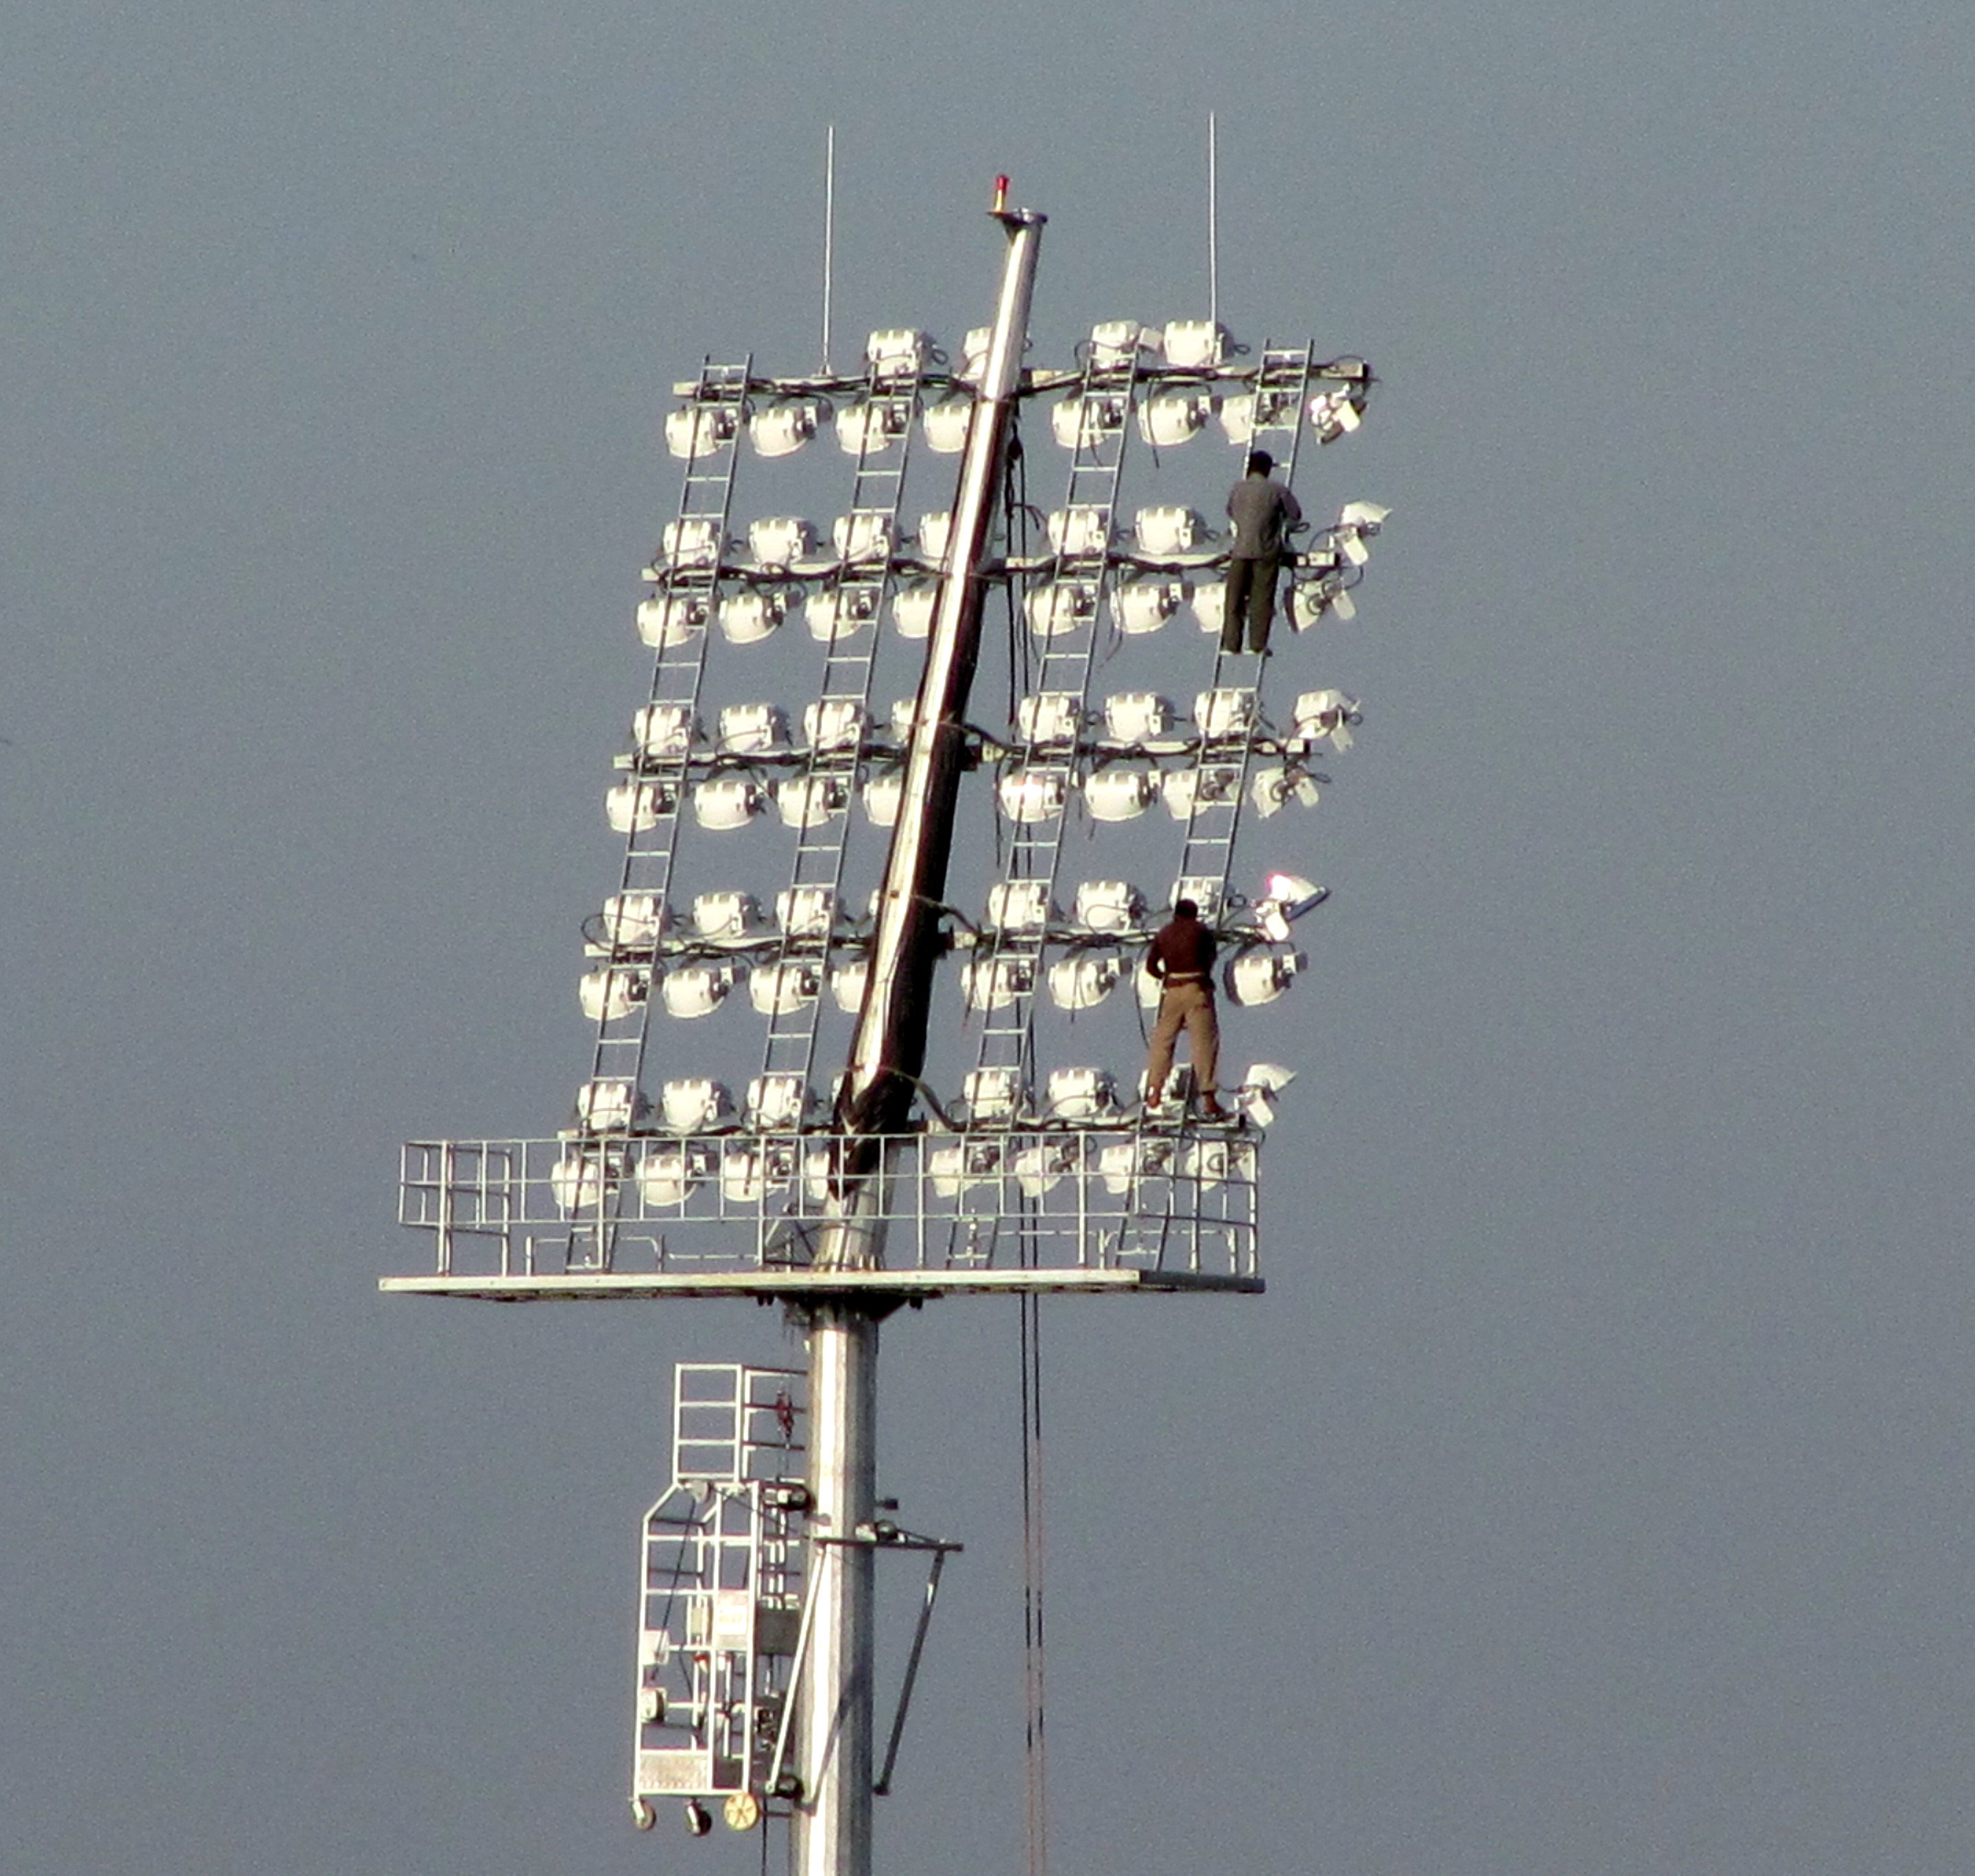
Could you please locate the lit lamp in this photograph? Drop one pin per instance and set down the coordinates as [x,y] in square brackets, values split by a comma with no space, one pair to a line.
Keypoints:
[1286,898]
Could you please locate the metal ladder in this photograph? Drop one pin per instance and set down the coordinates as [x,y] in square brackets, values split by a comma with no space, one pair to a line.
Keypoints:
[849,662]
[1034,848]
[719,398]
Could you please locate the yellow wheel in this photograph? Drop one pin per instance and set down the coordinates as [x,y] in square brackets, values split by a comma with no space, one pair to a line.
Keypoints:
[743,1811]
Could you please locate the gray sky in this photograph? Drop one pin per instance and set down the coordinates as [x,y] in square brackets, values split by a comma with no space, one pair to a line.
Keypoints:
[1590,1492]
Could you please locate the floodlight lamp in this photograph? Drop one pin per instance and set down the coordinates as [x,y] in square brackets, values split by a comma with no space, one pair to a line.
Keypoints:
[935,533]
[1319,714]
[1357,524]
[781,428]
[947,424]
[749,616]
[912,609]
[631,807]
[744,1180]
[691,542]
[1286,897]
[882,796]
[1174,418]
[697,989]
[839,612]
[835,723]
[1040,1169]
[779,540]
[811,800]
[1116,342]
[1084,422]
[1312,599]
[1207,890]
[806,911]
[781,989]
[754,729]
[1082,1094]
[846,985]
[697,430]
[1260,976]
[665,732]
[669,620]
[1057,608]
[634,920]
[974,355]
[993,982]
[667,1177]
[1108,905]
[871,426]
[778,1103]
[609,1106]
[609,995]
[1163,532]
[991,1094]
[586,1179]
[864,534]
[1048,717]
[1211,1162]
[1083,981]
[898,352]
[1188,790]
[1195,344]
[696,1105]
[727,915]
[1124,1162]
[1143,605]
[1209,599]
[728,802]
[1029,795]
[1333,414]
[954,1168]
[1119,794]
[1080,531]
[1137,717]
[1225,713]
[1273,789]
[1019,905]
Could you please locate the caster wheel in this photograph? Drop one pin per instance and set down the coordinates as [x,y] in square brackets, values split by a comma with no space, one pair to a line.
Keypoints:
[743,1810]
[697,1819]
[642,1814]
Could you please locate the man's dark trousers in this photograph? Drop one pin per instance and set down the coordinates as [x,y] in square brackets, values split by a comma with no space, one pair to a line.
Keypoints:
[1251,590]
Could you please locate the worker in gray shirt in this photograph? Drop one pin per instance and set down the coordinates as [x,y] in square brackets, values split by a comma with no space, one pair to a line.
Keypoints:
[1264,513]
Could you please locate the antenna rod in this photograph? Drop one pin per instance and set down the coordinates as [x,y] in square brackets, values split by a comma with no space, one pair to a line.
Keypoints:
[829,233]
[1213,224]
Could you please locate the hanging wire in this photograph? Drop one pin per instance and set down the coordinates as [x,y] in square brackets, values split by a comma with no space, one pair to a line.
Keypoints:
[1035,1764]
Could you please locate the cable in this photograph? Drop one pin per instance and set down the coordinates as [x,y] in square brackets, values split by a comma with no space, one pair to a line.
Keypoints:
[1035,1763]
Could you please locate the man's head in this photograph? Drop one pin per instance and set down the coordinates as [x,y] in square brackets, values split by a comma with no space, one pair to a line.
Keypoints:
[1186,909]
[1260,462]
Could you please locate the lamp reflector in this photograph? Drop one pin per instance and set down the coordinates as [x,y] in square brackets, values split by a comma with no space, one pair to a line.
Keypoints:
[780,429]
[882,795]
[586,1178]
[633,921]
[667,1176]
[1137,717]
[1082,1094]
[778,539]
[1225,713]
[1048,717]
[1175,417]
[631,807]
[1058,607]
[1040,1169]
[898,352]
[835,723]
[810,800]
[609,1106]
[664,732]
[864,535]
[1079,532]
[846,985]
[1207,890]
[1195,344]
[754,729]
[777,1103]
[1083,423]
[839,612]
[1119,794]
[956,1168]
[991,1094]
[935,533]
[1163,532]
[696,1105]
[728,802]
[779,989]
[1142,605]
[806,911]
[1109,905]
[696,430]
[1260,976]
[912,608]
[872,426]
[727,915]
[1115,341]
[697,989]
[947,424]
[1083,981]
[1019,905]
[693,541]
[747,617]
[1030,795]
[671,619]
[993,982]
[973,354]
[608,995]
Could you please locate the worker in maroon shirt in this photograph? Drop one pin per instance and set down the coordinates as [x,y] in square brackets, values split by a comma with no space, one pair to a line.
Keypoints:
[1182,958]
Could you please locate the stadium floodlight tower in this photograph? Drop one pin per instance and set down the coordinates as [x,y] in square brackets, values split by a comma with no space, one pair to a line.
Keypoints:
[1030,1175]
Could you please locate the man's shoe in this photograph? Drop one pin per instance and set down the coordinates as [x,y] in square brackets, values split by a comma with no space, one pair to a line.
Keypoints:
[1211,1109]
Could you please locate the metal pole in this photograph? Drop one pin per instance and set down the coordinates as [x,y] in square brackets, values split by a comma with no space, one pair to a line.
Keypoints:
[1213,223]
[832,1826]
[829,234]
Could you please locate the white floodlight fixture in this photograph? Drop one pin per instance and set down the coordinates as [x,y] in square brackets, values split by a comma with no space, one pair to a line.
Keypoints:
[882,795]
[865,534]
[1115,341]
[1083,423]
[693,541]
[697,989]
[696,430]
[669,620]
[586,1178]
[947,424]
[811,800]
[835,723]
[1079,532]
[1124,1162]
[912,609]
[1163,532]
[609,995]
[728,802]
[631,807]
[1357,524]
[1137,717]
[898,352]
[994,983]
[609,1106]
[1083,980]
[781,989]
[1143,605]
[1187,789]
[1225,713]
[754,729]
[1256,1094]
[779,539]
[1260,976]
[871,426]
[806,911]
[744,1175]
[1040,1169]
[697,1105]
[838,613]
[1211,1162]
[778,1103]
[1057,607]
[1273,788]
[1209,599]
[634,920]
[667,1177]
[1031,795]
[1238,414]
[1195,344]
[973,354]
[1312,599]
[991,1094]
[846,985]
[1048,718]
[1175,417]
[665,732]
[1082,1094]
[935,533]
[754,614]
[727,915]
[1107,906]
[1019,905]
[1333,414]
[954,1168]
[1119,793]
[782,427]
[1320,714]
[901,717]
[1207,890]
[1286,897]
